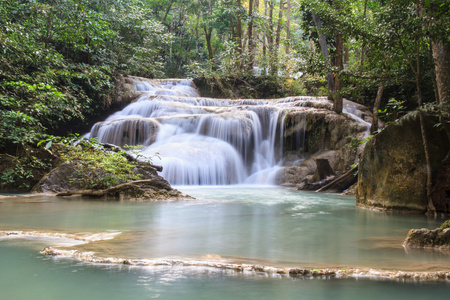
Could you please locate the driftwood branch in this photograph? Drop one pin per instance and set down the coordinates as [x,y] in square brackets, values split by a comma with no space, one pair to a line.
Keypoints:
[341,182]
[100,193]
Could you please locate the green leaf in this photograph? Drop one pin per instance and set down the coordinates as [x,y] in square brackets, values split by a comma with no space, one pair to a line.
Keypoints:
[49,144]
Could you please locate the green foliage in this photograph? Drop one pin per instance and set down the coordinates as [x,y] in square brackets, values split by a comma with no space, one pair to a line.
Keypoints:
[445,225]
[393,111]
[18,175]
[21,174]
[96,168]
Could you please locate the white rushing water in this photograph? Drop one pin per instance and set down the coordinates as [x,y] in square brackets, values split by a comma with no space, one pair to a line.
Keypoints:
[204,141]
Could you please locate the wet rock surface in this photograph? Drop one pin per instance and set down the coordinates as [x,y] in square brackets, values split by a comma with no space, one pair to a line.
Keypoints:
[392,171]
[426,238]
[315,132]
[294,272]
[151,187]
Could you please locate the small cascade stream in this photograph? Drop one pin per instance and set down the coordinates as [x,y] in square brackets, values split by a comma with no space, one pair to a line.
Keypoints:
[203,141]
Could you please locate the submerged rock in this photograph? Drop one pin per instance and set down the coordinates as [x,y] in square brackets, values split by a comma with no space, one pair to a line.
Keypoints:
[393,168]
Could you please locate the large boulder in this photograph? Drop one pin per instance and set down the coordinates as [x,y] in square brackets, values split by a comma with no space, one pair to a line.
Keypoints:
[426,238]
[314,132]
[150,187]
[393,168]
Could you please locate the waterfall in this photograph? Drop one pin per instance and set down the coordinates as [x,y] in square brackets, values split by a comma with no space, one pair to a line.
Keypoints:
[203,141]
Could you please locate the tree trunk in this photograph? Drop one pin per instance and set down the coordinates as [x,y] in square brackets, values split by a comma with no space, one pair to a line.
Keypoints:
[431,210]
[208,33]
[325,53]
[238,26]
[376,107]
[250,35]
[363,45]
[288,25]
[274,67]
[337,96]
[230,16]
[346,54]
[270,36]
[433,76]
[280,17]
[265,40]
[441,56]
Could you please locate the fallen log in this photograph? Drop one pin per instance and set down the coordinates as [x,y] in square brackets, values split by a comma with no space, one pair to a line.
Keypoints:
[147,188]
[314,186]
[341,182]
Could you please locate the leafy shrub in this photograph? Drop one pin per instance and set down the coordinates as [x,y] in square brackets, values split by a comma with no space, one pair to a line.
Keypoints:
[97,168]
[445,225]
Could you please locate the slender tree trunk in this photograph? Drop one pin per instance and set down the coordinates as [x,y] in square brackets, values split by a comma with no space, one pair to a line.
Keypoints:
[270,36]
[274,60]
[230,16]
[250,35]
[264,36]
[288,25]
[441,56]
[239,26]
[167,12]
[325,53]
[431,209]
[418,67]
[418,74]
[433,76]
[265,40]
[208,33]
[363,45]
[280,17]
[337,96]
[376,107]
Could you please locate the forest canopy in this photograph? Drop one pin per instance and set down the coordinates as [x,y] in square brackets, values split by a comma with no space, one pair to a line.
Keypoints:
[59,58]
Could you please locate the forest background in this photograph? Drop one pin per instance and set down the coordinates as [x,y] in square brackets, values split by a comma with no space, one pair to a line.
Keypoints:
[60,59]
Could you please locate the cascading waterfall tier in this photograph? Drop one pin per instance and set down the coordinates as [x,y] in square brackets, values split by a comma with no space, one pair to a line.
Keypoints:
[202,141]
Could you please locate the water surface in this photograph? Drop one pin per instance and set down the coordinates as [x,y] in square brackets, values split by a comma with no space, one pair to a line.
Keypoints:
[264,225]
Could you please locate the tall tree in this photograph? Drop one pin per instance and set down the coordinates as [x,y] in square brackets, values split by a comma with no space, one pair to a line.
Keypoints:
[250,34]
[288,25]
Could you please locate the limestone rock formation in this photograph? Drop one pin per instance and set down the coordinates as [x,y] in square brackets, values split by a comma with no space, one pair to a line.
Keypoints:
[151,187]
[315,132]
[393,168]
[426,238]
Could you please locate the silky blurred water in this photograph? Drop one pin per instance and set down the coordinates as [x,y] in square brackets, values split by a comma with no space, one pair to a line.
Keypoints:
[256,225]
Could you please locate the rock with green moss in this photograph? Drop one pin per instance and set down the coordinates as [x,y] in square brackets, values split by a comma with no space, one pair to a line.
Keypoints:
[445,225]
[393,168]
[426,238]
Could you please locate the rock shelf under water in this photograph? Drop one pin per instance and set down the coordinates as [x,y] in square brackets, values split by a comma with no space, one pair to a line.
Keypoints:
[90,257]
[214,261]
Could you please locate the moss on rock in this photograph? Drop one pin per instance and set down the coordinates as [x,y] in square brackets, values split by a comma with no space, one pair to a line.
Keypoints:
[392,171]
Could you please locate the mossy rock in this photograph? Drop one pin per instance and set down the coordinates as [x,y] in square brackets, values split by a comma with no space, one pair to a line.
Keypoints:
[393,168]
[426,238]
[445,225]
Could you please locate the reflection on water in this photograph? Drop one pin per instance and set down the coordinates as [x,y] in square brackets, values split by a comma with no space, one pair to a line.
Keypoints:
[28,275]
[267,225]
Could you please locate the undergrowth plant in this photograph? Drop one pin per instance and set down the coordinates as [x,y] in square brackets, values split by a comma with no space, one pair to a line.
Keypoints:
[97,168]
